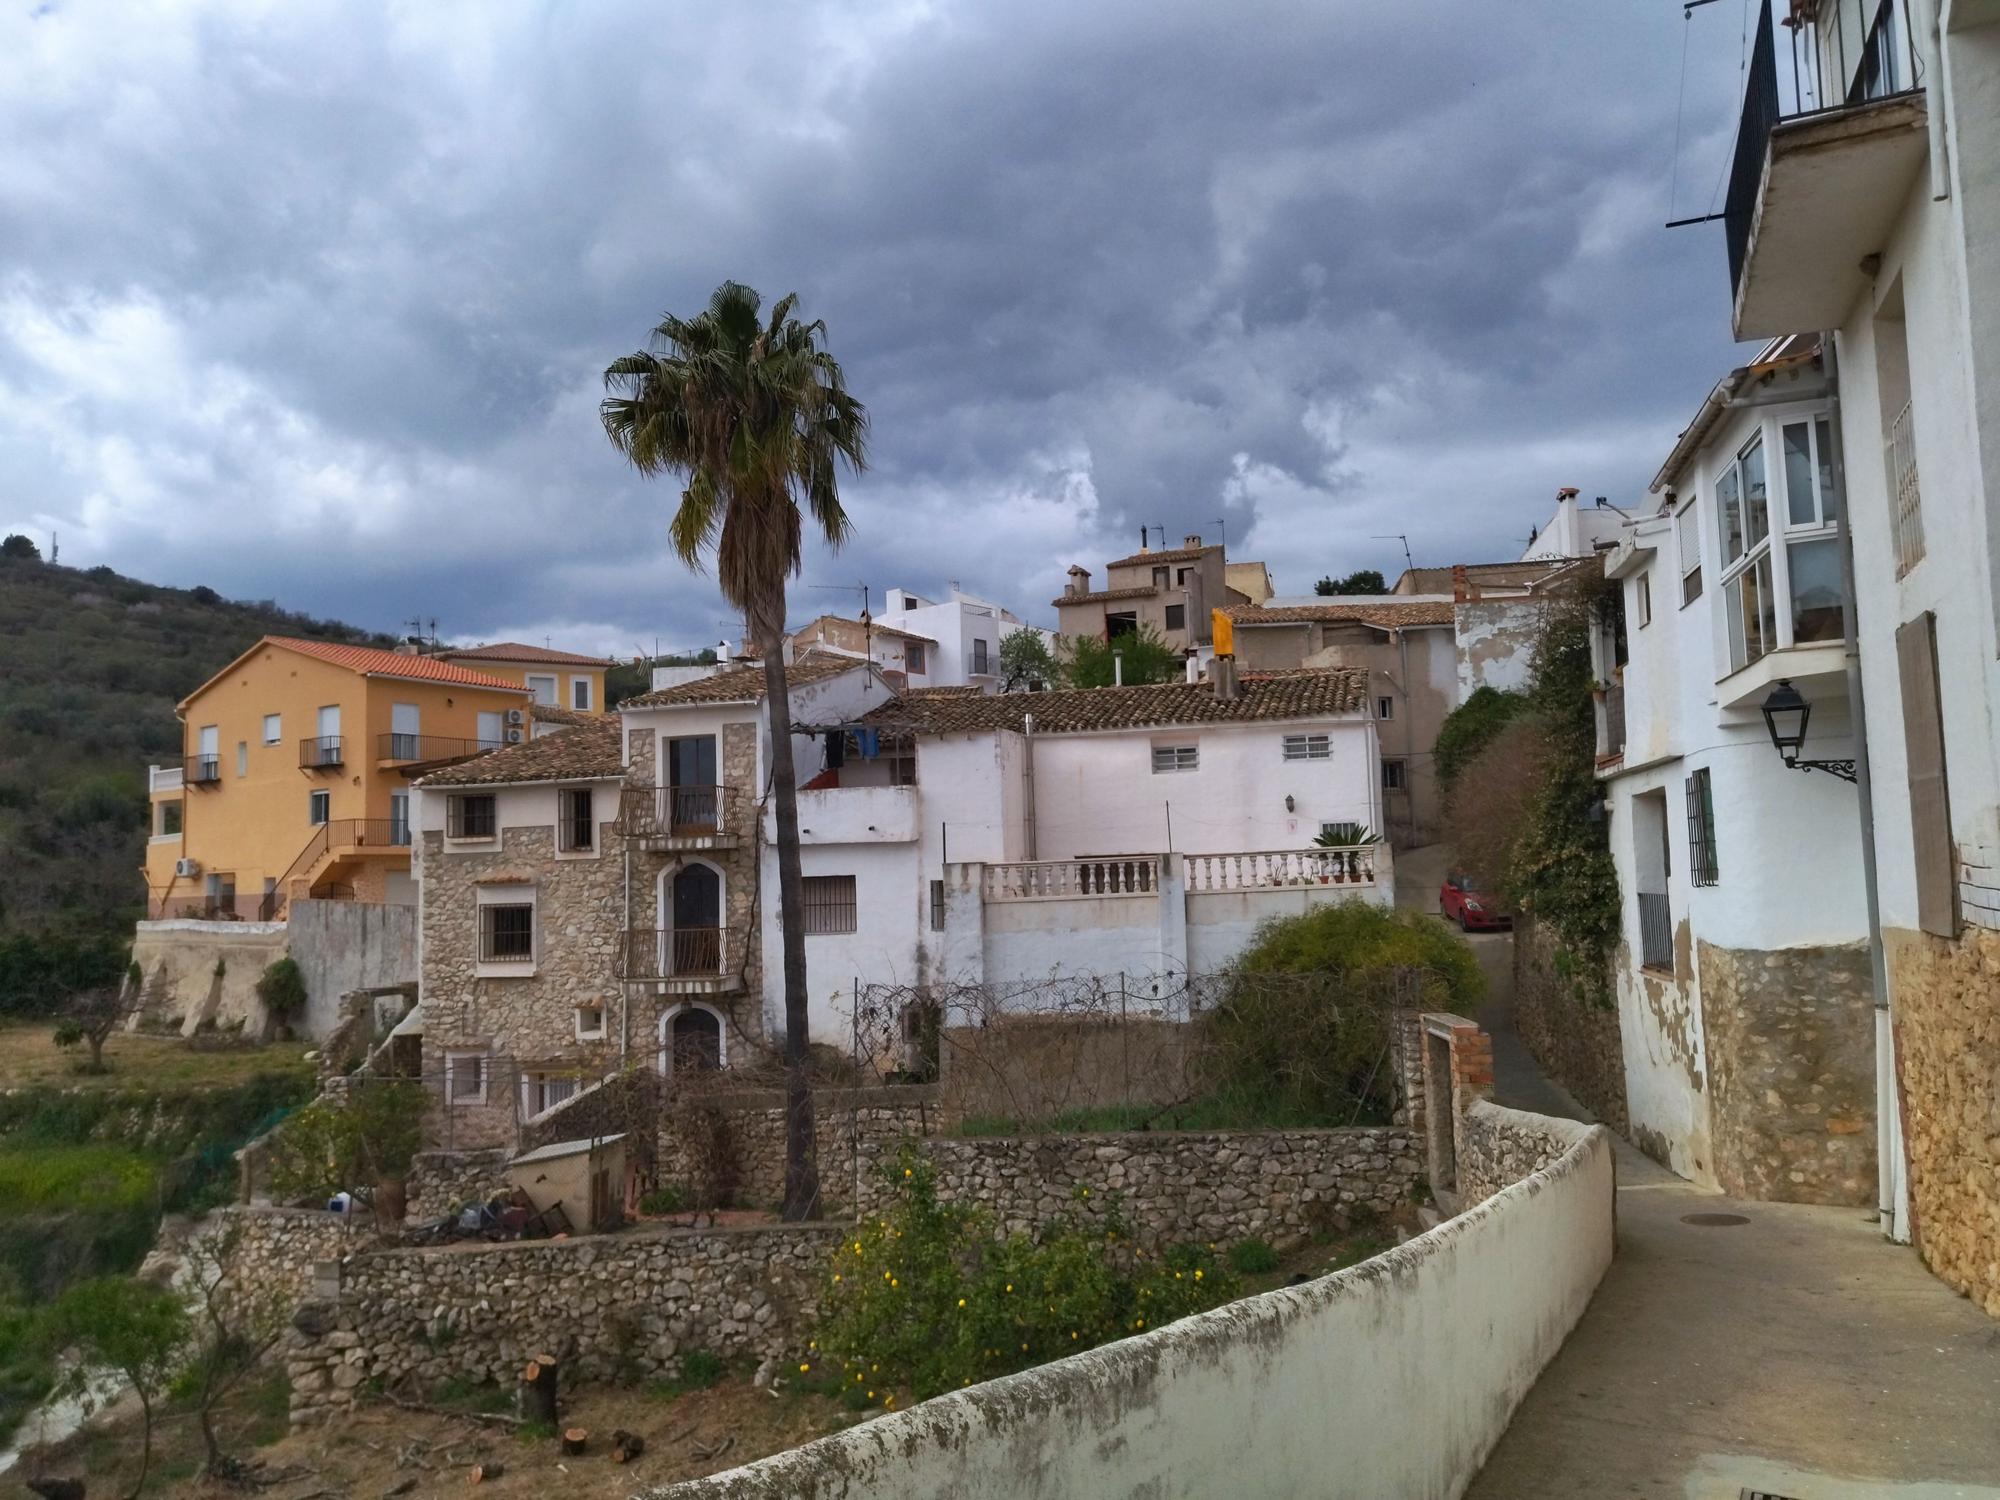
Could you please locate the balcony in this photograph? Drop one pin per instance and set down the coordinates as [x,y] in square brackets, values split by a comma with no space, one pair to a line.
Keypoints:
[201,770]
[417,753]
[321,752]
[1066,879]
[1273,868]
[853,815]
[1816,190]
[683,960]
[681,817]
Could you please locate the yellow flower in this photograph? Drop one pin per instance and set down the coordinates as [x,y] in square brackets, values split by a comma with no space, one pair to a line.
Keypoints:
[886,1276]
[1197,1276]
[1072,1333]
[1140,1324]
[1086,1192]
[1010,1286]
[873,1369]
[1177,1276]
[888,1401]
[836,1275]
[812,1343]
[804,1368]
[857,1247]
[871,1395]
[961,1302]
[894,1282]
[1024,1348]
[906,1171]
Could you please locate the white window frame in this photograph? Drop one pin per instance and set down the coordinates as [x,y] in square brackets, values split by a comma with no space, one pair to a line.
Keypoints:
[454,1063]
[582,695]
[316,799]
[1385,706]
[1644,593]
[1770,556]
[535,1101]
[274,728]
[1687,545]
[1307,747]
[1172,760]
[554,683]
[590,1033]
[506,895]
[1758,557]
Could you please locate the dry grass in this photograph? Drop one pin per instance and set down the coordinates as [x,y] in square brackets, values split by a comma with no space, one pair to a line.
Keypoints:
[29,1056]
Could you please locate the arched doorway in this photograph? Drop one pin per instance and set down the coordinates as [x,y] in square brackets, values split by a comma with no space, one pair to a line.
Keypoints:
[693,911]
[692,1040]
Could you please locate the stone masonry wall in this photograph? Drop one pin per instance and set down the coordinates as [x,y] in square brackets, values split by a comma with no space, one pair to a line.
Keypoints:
[626,1307]
[272,1250]
[1500,1146]
[1948,1063]
[440,1181]
[1277,1185]
[1574,1038]
[754,1124]
[1790,1037]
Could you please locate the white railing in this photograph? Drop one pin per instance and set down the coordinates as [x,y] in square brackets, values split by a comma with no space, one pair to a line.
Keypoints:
[1899,455]
[1059,879]
[1264,868]
[162,779]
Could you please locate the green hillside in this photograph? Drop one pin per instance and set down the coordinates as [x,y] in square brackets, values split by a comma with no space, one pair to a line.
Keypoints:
[91,665]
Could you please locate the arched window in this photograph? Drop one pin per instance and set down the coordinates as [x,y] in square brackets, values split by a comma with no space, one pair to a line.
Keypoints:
[691,1040]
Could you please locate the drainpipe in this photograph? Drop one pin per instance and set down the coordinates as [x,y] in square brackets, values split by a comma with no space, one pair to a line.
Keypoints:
[1892,1191]
[1028,776]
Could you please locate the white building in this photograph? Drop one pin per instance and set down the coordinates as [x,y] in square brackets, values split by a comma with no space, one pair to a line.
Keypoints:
[1742,984]
[967,631]
[1575,530]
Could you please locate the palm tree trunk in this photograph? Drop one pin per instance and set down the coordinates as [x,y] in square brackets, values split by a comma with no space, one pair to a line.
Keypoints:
[801,1164]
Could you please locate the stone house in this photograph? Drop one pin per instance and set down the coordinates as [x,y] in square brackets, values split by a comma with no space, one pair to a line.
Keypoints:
[1170,591]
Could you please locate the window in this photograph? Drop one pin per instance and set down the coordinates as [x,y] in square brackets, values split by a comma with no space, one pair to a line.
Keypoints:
[1159,578]
[167,819]
[579,694]
[1392,775]
[1181,576]
[542,688]
[979,654]
[1385,708]
[507,932]
[1309,746]
[1701,829]
[1645,599]
[1750,595]
[937,906]
[829,904]
[589,1022]
[242,757]
[465,1077]
[471,815]
[1120,624]
[903,768]
[576,829]
[1811,500]
[913,657]
[1687,541]
[319,807]
[1177,617]
[693,1039]
[1175,758]
[541,1092]
[274,728]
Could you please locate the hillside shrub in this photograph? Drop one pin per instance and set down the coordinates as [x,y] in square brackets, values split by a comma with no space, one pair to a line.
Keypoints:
[351,1143]
[1470,728]
[928,1297]
[282,989]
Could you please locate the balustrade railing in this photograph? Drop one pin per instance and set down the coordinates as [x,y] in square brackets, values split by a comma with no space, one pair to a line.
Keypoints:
[1263,868]
[1042,880]
[675,952]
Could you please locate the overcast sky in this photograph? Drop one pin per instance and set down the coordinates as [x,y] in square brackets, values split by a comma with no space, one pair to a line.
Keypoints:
[312,302]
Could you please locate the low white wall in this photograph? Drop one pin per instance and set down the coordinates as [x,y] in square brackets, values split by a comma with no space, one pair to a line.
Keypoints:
[342,946]
[1392,1378]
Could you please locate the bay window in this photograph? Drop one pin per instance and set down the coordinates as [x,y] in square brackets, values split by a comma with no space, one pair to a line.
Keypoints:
[1781,584]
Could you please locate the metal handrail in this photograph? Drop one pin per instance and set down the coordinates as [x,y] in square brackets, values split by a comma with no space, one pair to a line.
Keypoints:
[340,833]
[426,748]
[677,811]
[201,770]
[674,952]
[320,750]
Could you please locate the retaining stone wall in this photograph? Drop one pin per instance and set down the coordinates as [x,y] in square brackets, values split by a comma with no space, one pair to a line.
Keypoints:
[1576,1040]
[274,1250]
[1948,1061]
[1498,1146]
[878,1119]
[442,1180]
[1276,1185]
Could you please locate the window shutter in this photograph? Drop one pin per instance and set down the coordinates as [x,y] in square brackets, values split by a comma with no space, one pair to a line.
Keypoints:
[1930,803]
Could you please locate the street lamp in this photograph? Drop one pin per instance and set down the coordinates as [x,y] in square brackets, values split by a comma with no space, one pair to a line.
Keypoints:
[1786,713]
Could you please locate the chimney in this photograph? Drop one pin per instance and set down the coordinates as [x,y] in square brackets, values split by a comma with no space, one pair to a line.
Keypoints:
[1117,668]
[1079,580]
[1222,675]
[1461,587]
[408,647]
[1191,540]
[722,652]
[1143,534]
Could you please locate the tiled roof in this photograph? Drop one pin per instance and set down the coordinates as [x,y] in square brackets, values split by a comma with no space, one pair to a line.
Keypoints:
[1105,596]
[594,751]
[1387,616]
[1502,574]
[516,651]
[548,713]
[371,662]
[1176,554]
[1275,695]
[876,626]
[962,690]
[746,684]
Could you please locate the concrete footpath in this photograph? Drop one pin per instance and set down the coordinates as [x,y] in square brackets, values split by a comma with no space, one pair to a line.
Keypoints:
[1746,1348]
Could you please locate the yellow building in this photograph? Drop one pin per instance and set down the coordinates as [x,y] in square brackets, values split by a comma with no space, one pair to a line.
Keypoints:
[295,774]
[557,679]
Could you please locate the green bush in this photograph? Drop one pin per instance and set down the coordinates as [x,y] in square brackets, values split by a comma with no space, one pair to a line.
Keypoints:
[1365,945]
[282,989]
[929,1297]
[1470,728]
[667,1198]
[1252,1257]
[366,1136]
[700,1369]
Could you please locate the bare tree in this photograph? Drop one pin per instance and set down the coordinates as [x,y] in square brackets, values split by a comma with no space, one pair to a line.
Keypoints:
[90,1016]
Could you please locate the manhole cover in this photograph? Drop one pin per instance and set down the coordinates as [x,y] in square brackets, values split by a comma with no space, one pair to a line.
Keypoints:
[1719,1221]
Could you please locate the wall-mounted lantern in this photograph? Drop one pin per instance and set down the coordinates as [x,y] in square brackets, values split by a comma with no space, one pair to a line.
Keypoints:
[1786,713]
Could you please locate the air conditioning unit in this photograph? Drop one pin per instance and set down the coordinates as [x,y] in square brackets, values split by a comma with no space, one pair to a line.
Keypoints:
[184,867]
[513,736]
[517,716]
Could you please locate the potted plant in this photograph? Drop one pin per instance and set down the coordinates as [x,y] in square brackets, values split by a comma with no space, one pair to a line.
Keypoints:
[1350,839]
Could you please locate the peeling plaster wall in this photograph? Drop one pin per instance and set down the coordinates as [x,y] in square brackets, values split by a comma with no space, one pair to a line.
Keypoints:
[1392,1378]
[1496,643]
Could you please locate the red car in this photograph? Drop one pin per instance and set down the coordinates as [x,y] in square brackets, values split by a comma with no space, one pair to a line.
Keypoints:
[1460,900]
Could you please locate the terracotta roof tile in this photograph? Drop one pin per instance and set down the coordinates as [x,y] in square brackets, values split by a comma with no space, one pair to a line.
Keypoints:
[1387,616]
[370,662]
[1172,554]
[592,752]
[1105,596]
[734,684]
[1274,695]
[516,651]
[548,713]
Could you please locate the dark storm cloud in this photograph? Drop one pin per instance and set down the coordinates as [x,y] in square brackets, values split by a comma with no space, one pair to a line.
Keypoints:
[310,302]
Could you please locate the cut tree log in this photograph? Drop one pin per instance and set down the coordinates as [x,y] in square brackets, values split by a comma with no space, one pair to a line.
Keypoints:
[538,1390]
[483,1472]
[573,1439]
[626,1446]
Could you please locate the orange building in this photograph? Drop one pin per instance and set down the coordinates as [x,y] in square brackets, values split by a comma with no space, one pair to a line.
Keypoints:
[557,679]
[296,764]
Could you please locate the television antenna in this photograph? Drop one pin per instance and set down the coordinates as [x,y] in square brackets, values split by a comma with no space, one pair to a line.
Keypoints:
[1397,536]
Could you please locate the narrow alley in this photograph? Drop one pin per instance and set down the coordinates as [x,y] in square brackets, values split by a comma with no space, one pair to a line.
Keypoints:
[1738,1349]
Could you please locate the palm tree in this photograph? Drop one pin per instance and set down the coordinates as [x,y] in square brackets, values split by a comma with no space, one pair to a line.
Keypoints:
[755,416]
